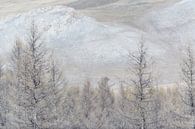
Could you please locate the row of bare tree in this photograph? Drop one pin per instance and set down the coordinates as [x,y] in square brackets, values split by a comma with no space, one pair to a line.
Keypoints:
[35,95]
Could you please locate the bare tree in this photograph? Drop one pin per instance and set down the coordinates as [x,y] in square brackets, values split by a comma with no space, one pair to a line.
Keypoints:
[5,95]
[123,108]
[3,99]
[1,70]
[158,117]
[18,68]
[55,85]
[188,77]
[70,102]
[30,64]
[87,106]
[141,82]
[105,103]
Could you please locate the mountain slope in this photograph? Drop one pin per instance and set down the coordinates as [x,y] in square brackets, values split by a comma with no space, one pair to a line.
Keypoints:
[93,49]
[85,46]
[174,23]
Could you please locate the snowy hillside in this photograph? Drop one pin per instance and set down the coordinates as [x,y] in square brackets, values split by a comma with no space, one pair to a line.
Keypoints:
[174,23]
[65,28]
[91,72]
[175,15]
[86,45]
[80,40]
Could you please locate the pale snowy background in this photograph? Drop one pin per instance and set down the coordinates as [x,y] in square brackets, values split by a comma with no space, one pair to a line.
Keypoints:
[93,37]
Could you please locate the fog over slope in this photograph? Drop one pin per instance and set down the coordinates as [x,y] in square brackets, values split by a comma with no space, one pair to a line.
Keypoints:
[92,46]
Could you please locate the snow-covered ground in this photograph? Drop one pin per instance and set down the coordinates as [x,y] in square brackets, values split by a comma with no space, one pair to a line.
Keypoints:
[90,48]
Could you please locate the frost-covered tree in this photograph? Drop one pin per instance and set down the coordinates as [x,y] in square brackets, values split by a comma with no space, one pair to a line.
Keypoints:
[6,95]
[1,71]
[36,68]
[141,82]
[56,83]
[86,107]
[123,108]
[18,68]
[104,105]
[188,92]
[30,61]
[3,99]
[70,108]
[159,115]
